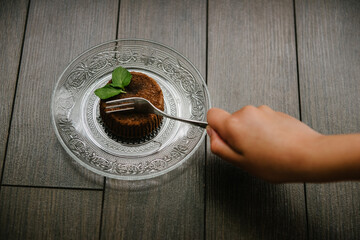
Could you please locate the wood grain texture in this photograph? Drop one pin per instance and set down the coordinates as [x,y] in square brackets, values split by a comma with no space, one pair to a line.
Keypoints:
[170,208]
[57,31]
[329,72]
[177,24]
[36,213]
[12,25]
[252,60]
[166,208]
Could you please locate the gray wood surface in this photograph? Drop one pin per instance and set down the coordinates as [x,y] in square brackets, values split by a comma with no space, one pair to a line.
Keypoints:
[329,71]
[36,213]
[252,60]
[164,209]
[57,31]
[12,26]
[251,52]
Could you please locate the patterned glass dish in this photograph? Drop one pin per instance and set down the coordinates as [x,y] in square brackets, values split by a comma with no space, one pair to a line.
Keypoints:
[75,111]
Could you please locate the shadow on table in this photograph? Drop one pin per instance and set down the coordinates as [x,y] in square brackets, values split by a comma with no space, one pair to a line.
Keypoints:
[241,205]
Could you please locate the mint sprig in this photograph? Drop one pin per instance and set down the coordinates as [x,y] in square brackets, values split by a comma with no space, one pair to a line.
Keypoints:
[120,79]
[108,91]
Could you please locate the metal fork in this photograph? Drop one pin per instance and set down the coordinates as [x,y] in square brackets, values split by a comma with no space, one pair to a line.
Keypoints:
[138,104]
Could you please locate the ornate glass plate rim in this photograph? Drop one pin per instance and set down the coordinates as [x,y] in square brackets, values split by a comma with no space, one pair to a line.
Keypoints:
[89,66]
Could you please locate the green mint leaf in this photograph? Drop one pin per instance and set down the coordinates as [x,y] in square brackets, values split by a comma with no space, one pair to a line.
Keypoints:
[121,77]
[114,86]
[108,91]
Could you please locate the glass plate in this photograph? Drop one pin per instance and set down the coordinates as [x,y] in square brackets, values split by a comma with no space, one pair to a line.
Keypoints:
[75,111]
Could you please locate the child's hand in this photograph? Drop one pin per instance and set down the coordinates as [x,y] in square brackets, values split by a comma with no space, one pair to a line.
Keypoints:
[268,144]
[280,148]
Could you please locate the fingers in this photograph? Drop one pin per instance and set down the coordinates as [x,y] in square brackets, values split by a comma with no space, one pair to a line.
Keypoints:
[216,118]
[265,108]
[223,123]
[230,127]
[236,129]
[221,149]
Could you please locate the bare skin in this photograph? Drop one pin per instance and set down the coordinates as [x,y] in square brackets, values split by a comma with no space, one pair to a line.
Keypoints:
[279,148]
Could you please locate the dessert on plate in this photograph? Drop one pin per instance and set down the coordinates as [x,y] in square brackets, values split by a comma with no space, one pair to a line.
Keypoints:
[127,124]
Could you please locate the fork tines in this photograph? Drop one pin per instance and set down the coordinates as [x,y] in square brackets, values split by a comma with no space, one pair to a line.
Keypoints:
[119,105]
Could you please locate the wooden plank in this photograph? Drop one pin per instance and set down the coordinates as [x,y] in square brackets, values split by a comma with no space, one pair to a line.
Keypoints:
[57,32]
[12,25]
[329,72]
[37,213]
[168,22]
[161,208]
[252,60]
[166,208]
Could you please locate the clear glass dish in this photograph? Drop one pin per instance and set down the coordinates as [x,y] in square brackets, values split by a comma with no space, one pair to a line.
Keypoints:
[75,111]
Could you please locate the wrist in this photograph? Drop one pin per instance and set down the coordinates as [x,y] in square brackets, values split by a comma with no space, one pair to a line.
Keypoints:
[333,158]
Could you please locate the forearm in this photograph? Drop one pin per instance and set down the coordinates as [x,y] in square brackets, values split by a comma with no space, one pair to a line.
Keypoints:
[334,157]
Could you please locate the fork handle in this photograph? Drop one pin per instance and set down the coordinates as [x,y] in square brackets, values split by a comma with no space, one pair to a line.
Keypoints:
[194,122]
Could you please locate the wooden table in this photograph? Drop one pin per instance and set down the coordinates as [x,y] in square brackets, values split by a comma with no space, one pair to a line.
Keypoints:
[299,57]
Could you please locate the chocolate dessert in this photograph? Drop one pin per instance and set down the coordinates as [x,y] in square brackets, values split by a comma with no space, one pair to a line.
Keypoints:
[130,125]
